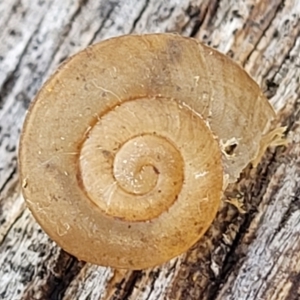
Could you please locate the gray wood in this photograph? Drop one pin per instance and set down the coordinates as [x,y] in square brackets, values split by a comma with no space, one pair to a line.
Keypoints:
[251,255]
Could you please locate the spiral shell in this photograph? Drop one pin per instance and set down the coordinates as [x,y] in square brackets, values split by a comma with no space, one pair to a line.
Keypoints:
[128,146]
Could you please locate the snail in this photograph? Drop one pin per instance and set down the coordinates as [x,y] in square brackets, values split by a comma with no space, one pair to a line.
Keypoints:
[128,147]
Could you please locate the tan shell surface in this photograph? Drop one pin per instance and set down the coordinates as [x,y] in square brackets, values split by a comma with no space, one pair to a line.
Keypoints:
[122,151]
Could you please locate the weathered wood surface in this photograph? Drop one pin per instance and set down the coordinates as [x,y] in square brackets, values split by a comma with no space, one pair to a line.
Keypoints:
[255,255]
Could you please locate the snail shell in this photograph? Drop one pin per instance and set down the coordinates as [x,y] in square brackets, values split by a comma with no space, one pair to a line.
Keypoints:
[128,146]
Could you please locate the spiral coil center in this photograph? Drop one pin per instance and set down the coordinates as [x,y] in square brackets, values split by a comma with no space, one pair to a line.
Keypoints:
[129,170]
[143,162]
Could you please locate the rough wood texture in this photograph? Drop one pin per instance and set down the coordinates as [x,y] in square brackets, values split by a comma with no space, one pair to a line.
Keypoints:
[255,255]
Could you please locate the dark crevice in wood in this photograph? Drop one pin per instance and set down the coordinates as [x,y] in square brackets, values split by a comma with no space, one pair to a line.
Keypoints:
[294,206]
[198,14]
[68,28]
[130,284]
[294,292]
[15,6]
[294,278]
[233,258]
[64,271]
[77,12]
[230,261]
[65,34]
[212,10]
[295,201]
[291,121]
[46,68]
[282,65]
[59,284]
[154,275]
[171,269]
[81,4]
[262,180]
[271,88]
[12,77]
[9,178]
[195,13]
[268,26]
[263,280]
[196,28]
[113,5]
[139,16]
[10,227]
[198,261]
[3,137]
[7,86]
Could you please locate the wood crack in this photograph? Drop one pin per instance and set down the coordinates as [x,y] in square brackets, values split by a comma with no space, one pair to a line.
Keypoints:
[142,11]
[286,57]
[254,48]
[108,15]
[10,80]
[130,284]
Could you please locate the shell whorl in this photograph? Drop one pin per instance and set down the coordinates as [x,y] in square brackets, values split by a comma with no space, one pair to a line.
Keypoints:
[144,155]
[129,169]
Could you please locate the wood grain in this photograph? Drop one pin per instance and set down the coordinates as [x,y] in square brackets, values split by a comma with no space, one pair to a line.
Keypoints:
[243,256]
